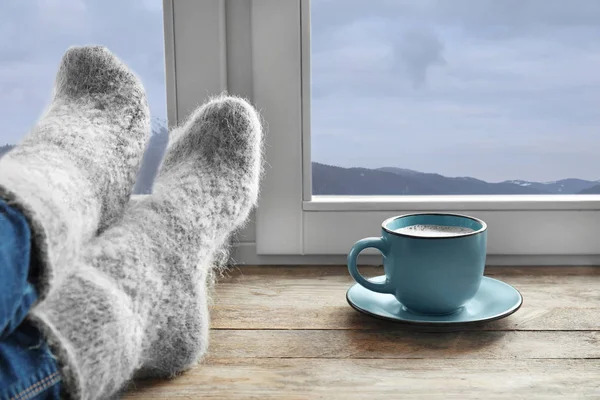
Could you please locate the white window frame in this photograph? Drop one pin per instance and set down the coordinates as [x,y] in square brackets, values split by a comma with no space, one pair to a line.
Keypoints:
[294,227]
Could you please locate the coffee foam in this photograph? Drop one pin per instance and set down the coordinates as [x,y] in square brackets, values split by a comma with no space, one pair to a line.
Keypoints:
[434,230]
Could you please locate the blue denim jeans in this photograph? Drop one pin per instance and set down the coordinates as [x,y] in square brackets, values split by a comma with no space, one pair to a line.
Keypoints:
[27,368]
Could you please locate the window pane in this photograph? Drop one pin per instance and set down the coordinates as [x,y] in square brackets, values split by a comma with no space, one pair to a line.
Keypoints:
[455,97]
[35,34]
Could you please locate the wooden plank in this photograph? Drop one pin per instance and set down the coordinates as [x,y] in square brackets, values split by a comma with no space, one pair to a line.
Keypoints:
[314,298]
[403,345]
[379,379]
[329,270]
[343,317]
[565,292]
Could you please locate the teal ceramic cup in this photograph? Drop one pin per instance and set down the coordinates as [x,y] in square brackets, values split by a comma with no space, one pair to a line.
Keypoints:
[427,274]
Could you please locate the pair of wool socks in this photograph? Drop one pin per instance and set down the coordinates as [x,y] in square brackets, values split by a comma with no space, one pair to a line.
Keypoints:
[123,286]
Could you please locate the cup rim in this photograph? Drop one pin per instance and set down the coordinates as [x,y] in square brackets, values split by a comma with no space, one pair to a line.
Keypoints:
[458,235]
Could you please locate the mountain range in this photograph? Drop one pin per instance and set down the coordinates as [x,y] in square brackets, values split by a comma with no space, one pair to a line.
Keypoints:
[333,180]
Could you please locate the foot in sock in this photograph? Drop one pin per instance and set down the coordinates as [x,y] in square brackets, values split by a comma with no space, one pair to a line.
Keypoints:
[73,173]
[137,304]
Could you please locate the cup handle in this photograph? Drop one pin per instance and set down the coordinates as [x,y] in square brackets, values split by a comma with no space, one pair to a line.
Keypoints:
[381,245]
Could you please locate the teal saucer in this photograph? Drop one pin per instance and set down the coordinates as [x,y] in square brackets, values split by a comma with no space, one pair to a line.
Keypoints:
[494,300]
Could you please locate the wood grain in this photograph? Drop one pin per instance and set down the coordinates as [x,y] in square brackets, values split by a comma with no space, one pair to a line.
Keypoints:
[300,379]
[342,317]
[288,333]
[388,344]
[340,270]
[287,298]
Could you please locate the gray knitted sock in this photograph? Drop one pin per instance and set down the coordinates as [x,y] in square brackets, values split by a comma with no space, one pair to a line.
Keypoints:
[137,303]
[74,171]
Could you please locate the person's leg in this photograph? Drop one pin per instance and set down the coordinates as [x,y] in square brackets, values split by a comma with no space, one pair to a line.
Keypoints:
[69,177]
[17,294]
[27,368]
[137,303]
[74,172]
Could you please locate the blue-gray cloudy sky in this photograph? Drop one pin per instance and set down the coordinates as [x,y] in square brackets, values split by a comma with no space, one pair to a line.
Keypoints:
[495,89]
[34,34]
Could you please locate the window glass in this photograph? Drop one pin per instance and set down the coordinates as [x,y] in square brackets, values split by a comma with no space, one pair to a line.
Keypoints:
[34,35]
[455,97]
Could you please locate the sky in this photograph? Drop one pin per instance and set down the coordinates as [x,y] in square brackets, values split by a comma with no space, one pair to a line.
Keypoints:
[34,35]
[493,89]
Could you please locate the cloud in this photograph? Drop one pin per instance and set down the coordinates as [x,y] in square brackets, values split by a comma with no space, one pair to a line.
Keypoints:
[418,50]
[35,34]
[491,89]
[476,14]
[60,15]
[520,15]
[154,6]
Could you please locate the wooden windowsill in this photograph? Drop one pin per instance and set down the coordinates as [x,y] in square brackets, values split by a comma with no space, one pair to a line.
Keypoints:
[288,333]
